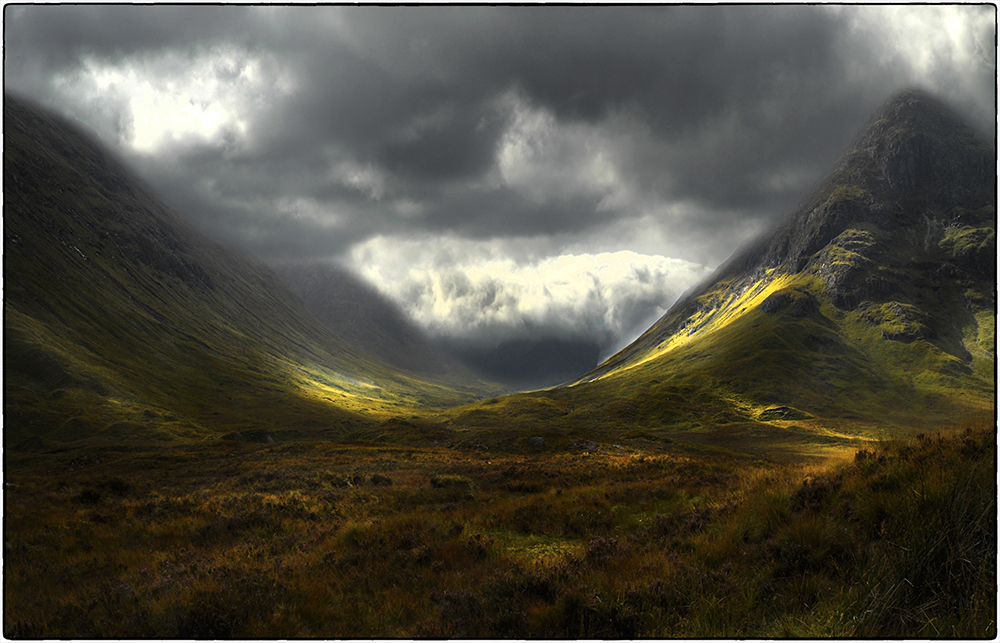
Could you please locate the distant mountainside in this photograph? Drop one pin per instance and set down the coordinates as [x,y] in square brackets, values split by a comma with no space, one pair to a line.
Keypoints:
[873,307]
[873,304]
[121,321]
[363,317]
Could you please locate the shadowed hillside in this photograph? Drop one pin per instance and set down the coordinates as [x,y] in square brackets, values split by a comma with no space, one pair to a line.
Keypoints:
[363,317]
[531,363]
[121,321]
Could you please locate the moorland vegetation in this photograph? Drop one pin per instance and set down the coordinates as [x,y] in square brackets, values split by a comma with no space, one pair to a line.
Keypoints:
[649,538]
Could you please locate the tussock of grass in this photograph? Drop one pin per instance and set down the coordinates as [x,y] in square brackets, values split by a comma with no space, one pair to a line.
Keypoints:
[930,570]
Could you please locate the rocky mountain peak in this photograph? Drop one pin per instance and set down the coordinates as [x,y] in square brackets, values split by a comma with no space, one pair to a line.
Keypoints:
[916,109]
[915,160]
[917,143]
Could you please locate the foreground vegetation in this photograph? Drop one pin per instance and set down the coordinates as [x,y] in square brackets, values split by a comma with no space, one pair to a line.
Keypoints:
[647,538]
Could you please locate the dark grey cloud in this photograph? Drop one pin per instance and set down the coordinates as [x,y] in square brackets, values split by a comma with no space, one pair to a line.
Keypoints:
[514,212]
[45,39]
[412,91]
[311,130]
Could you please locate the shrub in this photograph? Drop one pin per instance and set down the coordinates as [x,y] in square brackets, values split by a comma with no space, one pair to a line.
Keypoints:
[380,480]
[933,572]
[88,497]
[116,486]
[601,550]
[812,493]
[449,481]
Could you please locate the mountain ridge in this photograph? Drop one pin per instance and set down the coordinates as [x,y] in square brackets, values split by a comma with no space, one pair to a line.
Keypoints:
[872,305]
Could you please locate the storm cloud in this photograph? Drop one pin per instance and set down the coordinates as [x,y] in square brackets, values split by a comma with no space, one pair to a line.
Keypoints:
[530,144]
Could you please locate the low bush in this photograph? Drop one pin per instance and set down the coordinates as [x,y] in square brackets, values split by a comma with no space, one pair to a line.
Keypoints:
[447,481]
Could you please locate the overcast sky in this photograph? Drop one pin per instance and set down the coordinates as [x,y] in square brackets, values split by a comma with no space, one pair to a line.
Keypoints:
[497,171]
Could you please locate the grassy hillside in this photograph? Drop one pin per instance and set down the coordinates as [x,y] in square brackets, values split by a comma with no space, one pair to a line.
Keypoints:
[122,322]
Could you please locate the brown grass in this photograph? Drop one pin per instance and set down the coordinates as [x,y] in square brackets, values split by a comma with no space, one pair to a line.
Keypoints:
[236,540]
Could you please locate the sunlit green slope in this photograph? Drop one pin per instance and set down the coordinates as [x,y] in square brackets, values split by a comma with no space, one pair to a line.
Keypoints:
[872,306]
[120,321]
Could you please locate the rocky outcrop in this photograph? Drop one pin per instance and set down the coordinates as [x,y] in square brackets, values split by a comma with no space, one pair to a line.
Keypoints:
[799,304]
[898,321]
[920,149]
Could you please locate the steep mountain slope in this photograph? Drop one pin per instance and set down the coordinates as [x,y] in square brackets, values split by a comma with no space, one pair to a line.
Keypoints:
[360,315]
[872,305]
[120,321]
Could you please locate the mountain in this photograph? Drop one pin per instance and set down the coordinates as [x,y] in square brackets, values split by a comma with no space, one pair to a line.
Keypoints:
[872,305]
[121,321]
[363,317]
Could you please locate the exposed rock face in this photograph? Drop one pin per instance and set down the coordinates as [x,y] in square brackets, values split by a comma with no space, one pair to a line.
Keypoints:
[973,249]
[782,413]
[919,147]
[798,305]
[914,159]
[850,266]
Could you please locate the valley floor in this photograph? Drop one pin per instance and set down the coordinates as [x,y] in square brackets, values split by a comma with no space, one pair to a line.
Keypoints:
[659,538]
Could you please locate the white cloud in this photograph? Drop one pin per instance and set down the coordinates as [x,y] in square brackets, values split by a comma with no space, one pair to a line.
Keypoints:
[474,291]
[927,36]
[205,95]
